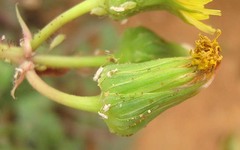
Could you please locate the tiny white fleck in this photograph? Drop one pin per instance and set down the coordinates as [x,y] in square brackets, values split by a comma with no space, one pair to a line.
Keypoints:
[98,11]
[149,111]
[120,105]
[208,83]
[109,74]
[107,51]
[21,42]
[103,115]
[3,37]
[106,107]
[16,75]
[117,9]
[19,70]
[187,46]
[141,115]
[124,21]
[97,74]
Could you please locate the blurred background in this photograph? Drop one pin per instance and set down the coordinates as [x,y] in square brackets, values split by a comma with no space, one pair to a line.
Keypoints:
[208,121]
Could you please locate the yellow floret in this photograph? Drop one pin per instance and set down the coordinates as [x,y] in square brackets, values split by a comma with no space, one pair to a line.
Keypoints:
[207,54]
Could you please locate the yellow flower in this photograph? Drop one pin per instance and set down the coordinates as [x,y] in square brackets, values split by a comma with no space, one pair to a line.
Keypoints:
[207,54]
[193,12]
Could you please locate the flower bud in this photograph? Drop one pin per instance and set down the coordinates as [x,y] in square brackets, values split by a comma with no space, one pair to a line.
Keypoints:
[134,94]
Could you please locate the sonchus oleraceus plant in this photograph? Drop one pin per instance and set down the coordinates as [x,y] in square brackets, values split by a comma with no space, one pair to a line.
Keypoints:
[144,78]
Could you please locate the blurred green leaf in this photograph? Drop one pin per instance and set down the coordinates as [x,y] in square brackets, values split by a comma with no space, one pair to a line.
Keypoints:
[232,142]
[38,126]
[6,77]
[109,36]
[141,44]
[33,122]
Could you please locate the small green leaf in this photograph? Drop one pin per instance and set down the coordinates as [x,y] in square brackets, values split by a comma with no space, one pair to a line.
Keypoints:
[141,44]
[57,41]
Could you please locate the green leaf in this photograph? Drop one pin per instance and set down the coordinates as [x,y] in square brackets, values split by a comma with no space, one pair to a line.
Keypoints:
[141,44]
[57,41]
[6,77]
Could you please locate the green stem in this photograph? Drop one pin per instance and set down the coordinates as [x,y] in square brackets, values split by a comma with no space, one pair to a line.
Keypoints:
[70,62]
[6,47]
[15,55]
[11,53]
[91,104]
[62,19]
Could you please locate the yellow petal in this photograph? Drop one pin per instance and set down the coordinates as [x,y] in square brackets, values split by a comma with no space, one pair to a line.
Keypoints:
[201,26]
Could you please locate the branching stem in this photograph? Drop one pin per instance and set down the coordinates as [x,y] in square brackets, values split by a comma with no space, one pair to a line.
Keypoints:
[16,55]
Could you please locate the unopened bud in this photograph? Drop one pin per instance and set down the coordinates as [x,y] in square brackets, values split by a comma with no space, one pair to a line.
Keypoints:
[134,94]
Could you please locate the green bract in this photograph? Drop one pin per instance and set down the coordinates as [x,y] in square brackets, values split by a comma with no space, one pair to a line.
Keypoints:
[134,94]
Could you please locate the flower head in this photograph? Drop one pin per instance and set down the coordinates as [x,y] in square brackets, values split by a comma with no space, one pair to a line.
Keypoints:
[193,12]
[134,94]
[207,54]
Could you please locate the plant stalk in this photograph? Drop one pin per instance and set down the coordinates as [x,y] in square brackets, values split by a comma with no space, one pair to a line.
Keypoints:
[11,54]
[91,104]
[70,62]
[62,19]
[15,55]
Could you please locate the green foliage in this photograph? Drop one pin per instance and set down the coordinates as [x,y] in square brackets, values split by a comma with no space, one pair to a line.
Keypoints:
[38,126]
[6,74]
[32,122]
[131,94]
[141,44]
